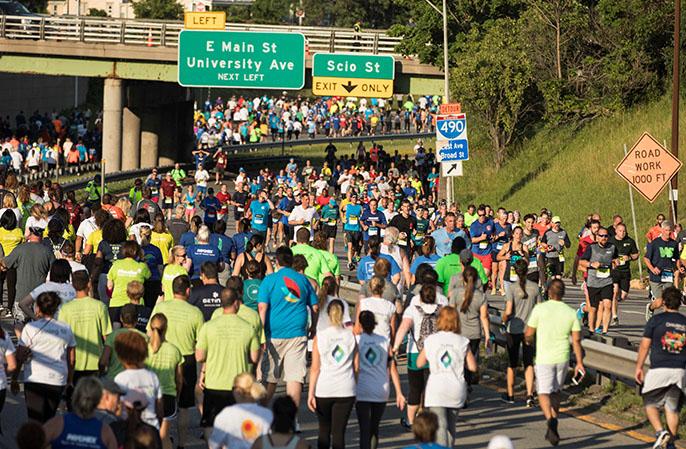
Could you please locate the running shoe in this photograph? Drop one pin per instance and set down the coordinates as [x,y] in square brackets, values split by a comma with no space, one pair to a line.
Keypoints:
[662,439]
[351,266]
[615,321]
[599,330]
[405,424]
[507,399]
[671,445]
[649,312]
[551,434]
[530,402]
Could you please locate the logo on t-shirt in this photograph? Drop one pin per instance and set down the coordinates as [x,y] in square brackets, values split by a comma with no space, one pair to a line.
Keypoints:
[371,356]
[338,353]
[666,252]
[250,430]
[446,360]
[291,291]
[673,342]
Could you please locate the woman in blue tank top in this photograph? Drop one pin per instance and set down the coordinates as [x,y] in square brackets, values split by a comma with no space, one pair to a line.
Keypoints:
[80,428]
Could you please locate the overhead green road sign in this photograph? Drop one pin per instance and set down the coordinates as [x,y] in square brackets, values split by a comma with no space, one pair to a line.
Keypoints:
[244,59]
[353,65]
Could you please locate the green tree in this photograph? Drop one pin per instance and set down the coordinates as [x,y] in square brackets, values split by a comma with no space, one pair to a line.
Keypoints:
[158,9]
[494,80]
[262,11]
[95,12]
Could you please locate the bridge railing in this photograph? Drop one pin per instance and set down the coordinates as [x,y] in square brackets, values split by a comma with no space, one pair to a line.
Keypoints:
[166,34]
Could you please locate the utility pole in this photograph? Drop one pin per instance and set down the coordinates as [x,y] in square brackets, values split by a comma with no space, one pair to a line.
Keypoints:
[446,88]
[674,192]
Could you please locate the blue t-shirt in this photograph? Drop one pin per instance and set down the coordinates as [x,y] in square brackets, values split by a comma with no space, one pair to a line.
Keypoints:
[478,229]
[444,241]
[224,243]
[286,204]
[371,219]
[431,260]
[260,212]
[500,241]
[365,269]
[200,254]
[353,212]
[287,293]
[211,204]
[240,239]
[187,239]
[153,258]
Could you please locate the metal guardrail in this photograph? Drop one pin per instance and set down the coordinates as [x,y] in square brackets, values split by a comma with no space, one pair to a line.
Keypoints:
[166,33]
[57,172]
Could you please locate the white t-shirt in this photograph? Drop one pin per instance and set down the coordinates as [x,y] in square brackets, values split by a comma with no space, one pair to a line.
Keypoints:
[323,321]
[372,380]
[201,177]
[17,159]
[33,222]
[336,347]
[299,213]
[416,316]
[238,426]
[65,291]
[86,227]
[146,382]
[383,311]
[48,341]
[6,348]
[446,387]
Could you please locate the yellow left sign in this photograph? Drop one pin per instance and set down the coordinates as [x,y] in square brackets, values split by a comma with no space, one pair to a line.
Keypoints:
[210,20]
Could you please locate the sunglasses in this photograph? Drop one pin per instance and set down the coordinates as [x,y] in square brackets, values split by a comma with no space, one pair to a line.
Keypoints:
[603,235]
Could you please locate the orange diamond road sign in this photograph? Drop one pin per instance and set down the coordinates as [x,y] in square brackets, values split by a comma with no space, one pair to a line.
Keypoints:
[648,167]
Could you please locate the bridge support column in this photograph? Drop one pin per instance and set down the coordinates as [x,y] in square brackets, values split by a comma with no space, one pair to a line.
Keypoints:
[168,138]
[131,141]
[112,123]
[150,139]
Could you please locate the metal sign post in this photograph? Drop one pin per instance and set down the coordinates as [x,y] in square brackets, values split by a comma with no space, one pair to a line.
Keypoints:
[102,179]
[633,218]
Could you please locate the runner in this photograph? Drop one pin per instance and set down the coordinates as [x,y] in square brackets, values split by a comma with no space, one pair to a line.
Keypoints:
[621,274]
[353,231]
[660,258]
[556,240]
[598,260]
[482,233]
[550,326]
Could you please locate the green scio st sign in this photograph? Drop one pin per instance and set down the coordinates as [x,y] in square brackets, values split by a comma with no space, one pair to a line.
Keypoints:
[244,59]
[353,65]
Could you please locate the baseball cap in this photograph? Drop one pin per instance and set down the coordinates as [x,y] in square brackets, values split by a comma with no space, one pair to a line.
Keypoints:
[332,202]
[242,170]
[111,386]
[500,442]
[556,219]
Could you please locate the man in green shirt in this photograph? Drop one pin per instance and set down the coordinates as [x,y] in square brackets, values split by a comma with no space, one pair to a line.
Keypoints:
[451,264]
[184,321]
[178,174]
[317,266]
[109,362]
[90,323]
[550,324]
[470,216]
[227,345]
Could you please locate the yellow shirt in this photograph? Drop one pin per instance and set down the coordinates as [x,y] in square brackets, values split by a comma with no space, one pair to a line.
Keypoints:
[10,239]
[94,240]
[164,241]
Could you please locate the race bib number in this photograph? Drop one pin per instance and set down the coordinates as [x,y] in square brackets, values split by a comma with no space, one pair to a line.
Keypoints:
[167,201]
[622,260]
[419,235]
[240,209]
[259,219]
[402,239]
[483,245]
[353,220]
[667,276]
[332,222]
[513,275]
[499,246]
[562,258]
[533,263]
[373,231]
[602,273]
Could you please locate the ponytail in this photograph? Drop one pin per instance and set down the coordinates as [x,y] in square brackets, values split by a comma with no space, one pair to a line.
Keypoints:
[470,277]
[158,330]
[521,267]
[428,246]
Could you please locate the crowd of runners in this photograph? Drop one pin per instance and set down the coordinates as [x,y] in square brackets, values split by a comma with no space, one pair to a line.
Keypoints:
[240,120]
[187,293]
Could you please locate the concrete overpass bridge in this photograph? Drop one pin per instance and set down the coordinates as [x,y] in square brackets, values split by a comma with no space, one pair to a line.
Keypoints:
[138,60]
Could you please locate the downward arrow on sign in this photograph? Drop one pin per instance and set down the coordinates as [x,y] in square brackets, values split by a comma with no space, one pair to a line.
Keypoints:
[349,87]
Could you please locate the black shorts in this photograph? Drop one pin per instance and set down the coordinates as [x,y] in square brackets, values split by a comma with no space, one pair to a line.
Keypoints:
[330,231]
[213,403]
[514,342]
[354,237]
[237,215]
[169,406]
[622,278]
[597,294]
[167,205]
[554,266]
[190,378]
[417,382]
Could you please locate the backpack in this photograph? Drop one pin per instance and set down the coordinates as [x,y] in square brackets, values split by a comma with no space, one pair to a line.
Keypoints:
[427,327]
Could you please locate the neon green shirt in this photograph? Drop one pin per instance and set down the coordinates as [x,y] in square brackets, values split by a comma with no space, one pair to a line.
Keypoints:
[90,323]
[554,322]
[164,363]
[115,366]
[183,323]
[122,272]
[470,218]
[332,264]
[171,272]
[316,265]
[251,317]
[227,341]
[450,265]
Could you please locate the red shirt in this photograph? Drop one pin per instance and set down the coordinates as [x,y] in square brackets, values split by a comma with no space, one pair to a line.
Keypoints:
[168,188]
[653,233]
[323,200]
[542,228]
[224,198]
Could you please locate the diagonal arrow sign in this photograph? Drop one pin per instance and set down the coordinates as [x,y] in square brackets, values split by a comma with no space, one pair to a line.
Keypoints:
[452,167]
[349,87]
